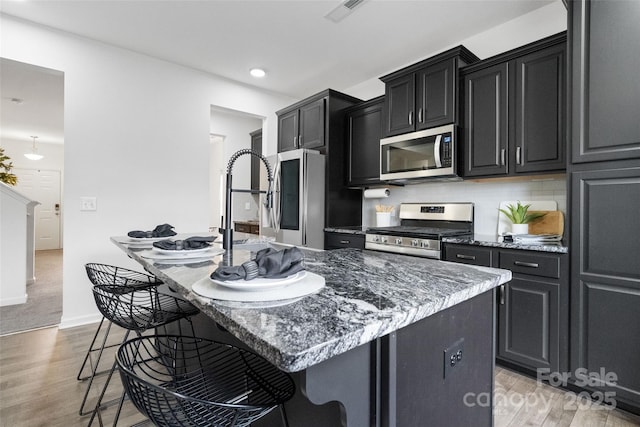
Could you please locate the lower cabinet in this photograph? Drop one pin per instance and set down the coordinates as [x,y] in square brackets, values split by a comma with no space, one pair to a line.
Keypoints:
[533,319]
[336,240]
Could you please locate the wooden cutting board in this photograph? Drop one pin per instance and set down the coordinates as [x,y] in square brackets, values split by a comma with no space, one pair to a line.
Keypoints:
[551,223]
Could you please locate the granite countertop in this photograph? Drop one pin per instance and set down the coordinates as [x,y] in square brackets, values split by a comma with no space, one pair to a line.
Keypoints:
[349,229]
[367,295]
[495,241]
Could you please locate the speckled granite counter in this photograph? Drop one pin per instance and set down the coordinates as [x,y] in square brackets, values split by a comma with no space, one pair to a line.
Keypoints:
[494,241]
[367,295]
[356,229]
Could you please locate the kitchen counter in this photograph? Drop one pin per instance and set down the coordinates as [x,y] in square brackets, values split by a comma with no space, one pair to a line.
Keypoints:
[367,295]
[367,349]
[355,229]
[495,241]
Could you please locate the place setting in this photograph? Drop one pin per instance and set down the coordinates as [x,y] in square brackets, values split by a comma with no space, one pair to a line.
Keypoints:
[190,249]
[272,278]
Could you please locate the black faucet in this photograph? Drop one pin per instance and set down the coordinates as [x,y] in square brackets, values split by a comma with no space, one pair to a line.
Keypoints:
[227,231]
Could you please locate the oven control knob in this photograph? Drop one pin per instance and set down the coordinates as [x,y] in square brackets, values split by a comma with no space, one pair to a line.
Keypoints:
[376,239]
[398,241]
[415,243]
[383,240]
[424,244]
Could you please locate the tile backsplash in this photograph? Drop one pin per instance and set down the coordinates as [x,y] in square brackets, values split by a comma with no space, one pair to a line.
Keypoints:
[486,196]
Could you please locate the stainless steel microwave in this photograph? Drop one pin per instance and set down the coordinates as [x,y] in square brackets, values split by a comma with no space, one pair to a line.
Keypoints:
[428,153]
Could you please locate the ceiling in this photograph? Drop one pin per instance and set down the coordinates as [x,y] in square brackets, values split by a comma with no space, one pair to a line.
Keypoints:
[302,51]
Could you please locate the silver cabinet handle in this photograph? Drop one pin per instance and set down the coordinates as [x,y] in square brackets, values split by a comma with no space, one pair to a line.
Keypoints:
[526,264]
[469,257]
[501,294]
[410,117]
[420,118]
[295,141]
[503,154]
[300,140]
[518,156]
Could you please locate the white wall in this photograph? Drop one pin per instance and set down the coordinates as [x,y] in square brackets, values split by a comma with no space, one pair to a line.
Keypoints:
[136,137]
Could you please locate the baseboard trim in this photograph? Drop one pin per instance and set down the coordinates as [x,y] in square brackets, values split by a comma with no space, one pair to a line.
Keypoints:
[13,301]
[79,321]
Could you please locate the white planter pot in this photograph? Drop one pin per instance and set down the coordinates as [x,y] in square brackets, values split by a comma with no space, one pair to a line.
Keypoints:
[520,228]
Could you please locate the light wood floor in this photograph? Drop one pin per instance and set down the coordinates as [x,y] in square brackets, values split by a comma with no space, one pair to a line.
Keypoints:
[38,388]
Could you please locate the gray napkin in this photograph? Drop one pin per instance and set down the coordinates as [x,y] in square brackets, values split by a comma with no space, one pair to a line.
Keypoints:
[195,242]
[268,263]
[162,230]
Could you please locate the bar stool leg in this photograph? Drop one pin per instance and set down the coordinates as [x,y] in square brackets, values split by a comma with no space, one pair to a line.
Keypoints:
[94,369]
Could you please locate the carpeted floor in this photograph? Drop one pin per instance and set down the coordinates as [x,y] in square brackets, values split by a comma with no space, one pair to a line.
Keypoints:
[44,301]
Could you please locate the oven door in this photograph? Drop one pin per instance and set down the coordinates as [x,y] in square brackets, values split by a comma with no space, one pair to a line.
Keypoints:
[427,153]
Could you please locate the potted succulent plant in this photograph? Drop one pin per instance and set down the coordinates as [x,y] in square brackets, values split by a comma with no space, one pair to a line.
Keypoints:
[520,217]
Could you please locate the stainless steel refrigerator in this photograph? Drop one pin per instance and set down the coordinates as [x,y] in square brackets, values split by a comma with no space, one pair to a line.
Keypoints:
[297,216]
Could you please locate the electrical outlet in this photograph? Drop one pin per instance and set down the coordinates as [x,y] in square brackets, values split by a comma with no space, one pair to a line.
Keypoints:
[88,203]
[453,357]
[247,206]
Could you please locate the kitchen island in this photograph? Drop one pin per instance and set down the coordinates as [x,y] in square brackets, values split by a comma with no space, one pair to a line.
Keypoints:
[389,341]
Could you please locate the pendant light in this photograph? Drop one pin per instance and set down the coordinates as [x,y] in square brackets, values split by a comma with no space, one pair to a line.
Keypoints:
[33,155]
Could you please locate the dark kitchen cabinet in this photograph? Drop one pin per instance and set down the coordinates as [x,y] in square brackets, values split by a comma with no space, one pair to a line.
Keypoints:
[605,288]
[606,88]
[364,130]
[337,240]
[514,111]
[256,146]
[306,123]
[533,324]
[604,189]
[318,123]
[425,94]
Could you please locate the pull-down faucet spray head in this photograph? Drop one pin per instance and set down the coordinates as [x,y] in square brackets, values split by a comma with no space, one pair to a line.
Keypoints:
[227,232]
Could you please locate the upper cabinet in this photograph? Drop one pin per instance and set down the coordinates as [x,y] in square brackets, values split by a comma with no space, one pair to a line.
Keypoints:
[425,94]
[364,130]
[515,111]
[605,86]
[305,124]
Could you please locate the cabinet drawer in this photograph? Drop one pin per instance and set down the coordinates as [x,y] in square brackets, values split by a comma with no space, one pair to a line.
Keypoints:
[343,240]
[534,264]
[469,255]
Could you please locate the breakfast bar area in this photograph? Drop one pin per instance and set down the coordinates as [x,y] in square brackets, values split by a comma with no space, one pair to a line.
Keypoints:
[387,341]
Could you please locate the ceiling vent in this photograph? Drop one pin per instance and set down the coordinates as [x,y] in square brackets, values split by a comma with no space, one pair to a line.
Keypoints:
[343,10]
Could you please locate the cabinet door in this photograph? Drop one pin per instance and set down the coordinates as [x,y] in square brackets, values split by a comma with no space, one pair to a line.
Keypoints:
[256,146]
[436,91]
[605,288]
[605,88]
[312,125]
[529,323]
[363,139]
[485,121]
[539,135]
[468,254]
[400,105]
[288,131]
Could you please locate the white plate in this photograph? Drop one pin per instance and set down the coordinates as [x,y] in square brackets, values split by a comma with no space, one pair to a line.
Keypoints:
[260,283]
[175,256]
[147,239]
[181,252]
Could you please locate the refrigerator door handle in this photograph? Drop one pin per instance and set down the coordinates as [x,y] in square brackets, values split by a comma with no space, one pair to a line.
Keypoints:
[274,217]
[305,201]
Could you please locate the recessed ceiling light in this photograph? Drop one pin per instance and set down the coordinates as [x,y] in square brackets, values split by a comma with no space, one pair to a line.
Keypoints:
[257,72]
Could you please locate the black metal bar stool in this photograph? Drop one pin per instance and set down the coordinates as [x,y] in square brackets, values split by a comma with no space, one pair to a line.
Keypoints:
[138,309]
[103,274]
[185,381]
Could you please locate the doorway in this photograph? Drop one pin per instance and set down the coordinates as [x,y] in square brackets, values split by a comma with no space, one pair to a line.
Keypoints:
[32,121]
[43,186]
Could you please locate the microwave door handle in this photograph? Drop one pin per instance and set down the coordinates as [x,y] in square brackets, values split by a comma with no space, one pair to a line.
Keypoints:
[436,151]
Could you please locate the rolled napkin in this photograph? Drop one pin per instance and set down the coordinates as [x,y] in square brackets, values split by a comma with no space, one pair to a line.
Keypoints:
[191,243]
[268,263]
[162,230]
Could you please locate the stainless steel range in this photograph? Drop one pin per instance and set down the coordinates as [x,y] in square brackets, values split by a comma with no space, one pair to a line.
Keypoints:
[422,227]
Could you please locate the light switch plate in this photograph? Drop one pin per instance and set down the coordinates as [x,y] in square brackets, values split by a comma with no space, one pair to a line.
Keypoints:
[88,203]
